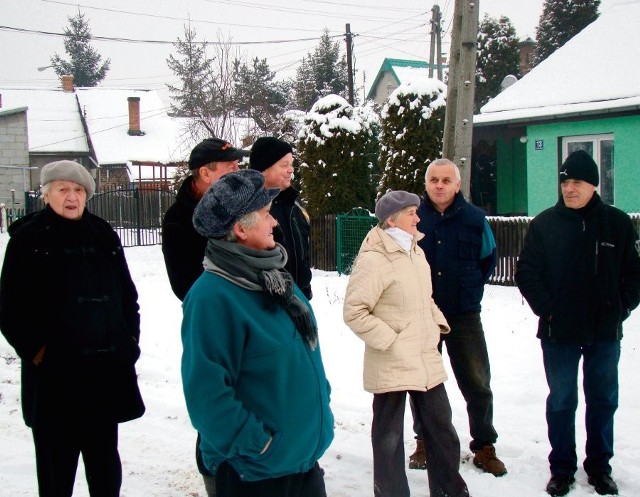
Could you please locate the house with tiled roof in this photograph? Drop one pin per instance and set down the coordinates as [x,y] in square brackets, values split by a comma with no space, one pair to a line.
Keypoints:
[122,136]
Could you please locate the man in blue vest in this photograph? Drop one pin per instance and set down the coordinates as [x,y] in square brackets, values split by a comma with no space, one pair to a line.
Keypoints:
[461,251]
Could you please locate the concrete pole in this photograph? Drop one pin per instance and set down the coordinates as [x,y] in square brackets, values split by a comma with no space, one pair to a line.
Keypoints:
[458,123]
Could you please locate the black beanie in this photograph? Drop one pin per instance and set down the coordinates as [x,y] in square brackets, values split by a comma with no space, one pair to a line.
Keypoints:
[580,165]
[266,151]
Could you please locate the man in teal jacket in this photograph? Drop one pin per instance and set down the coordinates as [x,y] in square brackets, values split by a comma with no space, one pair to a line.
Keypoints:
[252,372]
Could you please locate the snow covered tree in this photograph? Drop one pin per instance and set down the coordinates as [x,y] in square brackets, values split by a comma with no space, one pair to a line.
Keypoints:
[256,95]
[205,93]
[322,73]
[412,128]
[337,150]
[497,56]
[561,21]
[84,64]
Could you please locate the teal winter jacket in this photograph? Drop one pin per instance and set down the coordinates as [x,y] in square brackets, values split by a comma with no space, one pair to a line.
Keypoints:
[248,375]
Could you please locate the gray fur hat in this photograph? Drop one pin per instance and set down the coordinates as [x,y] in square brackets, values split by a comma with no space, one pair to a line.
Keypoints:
[393,201]
[228,199]
[68,170]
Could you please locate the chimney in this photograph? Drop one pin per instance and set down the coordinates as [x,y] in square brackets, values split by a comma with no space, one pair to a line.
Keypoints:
[67,83]
[134,116]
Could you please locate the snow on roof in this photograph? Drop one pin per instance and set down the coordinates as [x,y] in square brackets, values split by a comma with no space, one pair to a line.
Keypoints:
[106,112]
[408,74]
[53,119]
[594,71]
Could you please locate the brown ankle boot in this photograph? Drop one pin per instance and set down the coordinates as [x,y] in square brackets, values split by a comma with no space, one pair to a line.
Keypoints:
[486,460]
[418,460]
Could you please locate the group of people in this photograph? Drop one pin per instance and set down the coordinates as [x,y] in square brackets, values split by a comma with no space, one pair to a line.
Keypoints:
[236,249]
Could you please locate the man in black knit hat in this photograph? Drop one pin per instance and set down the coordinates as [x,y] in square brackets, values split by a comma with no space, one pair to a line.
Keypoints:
[274,159]
[579,270]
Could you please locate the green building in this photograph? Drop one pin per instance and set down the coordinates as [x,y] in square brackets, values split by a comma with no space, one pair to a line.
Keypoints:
[585,96]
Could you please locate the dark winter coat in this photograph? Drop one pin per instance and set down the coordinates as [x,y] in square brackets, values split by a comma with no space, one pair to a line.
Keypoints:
[66,286]
[461,251]
[182,246]
[579,270]
[292,233]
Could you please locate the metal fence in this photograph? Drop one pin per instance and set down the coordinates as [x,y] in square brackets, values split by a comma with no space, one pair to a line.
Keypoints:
[135,214]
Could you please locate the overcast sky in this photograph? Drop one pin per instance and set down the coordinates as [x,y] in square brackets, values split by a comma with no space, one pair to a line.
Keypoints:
[383,28]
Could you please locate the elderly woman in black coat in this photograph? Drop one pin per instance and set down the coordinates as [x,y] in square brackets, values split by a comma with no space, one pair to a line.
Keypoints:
[70,309]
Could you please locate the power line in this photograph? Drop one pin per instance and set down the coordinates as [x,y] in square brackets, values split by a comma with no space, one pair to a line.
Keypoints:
[161,42]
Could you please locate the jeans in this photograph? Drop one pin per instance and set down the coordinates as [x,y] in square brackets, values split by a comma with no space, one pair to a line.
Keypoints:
[309,484]
[467,350]
[600,384]
[441,444]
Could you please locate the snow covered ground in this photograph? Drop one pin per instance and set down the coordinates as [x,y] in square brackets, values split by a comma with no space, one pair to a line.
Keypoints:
[157,450]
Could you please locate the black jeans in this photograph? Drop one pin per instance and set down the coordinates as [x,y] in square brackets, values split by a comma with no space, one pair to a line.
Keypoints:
[467,350]
[441,444]
[309,484]
[58,446]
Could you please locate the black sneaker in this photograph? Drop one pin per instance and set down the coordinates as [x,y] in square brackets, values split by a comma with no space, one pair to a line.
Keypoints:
[604,484]
[559,485]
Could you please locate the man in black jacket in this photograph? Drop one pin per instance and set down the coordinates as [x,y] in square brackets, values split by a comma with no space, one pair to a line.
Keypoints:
[579,270]
[182,246]
[274,159]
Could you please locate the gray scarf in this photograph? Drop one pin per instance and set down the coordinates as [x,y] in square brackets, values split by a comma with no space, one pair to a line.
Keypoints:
[262,271]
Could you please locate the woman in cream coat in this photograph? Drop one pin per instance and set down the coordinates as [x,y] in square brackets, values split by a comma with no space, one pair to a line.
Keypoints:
[388,305]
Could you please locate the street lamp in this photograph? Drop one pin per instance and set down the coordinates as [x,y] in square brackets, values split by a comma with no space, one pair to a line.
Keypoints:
[43,68]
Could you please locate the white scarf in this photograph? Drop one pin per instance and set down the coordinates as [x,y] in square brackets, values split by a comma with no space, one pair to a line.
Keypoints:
[401,237]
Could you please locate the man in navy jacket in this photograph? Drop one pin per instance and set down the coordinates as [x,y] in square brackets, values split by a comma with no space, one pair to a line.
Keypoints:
[461,251]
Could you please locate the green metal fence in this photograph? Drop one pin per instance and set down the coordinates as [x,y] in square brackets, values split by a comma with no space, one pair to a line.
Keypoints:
[351,228]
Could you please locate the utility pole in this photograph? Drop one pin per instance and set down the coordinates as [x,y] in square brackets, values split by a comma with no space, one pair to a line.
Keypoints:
[349,41]
[458,121]
[436,42]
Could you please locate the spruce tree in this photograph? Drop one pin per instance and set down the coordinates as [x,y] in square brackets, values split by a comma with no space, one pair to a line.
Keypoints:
[321,73]
[337,150]
[256,95]
[561,21]
[84,64]
[412,128]
[497,56]
[205,93]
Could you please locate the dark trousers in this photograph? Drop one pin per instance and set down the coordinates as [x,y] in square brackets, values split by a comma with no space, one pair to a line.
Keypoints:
[58,446]
[441,444]
[207,477]
[309,484]
[467,350]
[600,384]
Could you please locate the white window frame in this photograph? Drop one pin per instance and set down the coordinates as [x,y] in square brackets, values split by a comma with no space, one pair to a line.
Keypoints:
[596,140]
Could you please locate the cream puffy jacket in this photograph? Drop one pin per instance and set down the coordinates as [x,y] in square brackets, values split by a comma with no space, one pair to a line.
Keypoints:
[388,304]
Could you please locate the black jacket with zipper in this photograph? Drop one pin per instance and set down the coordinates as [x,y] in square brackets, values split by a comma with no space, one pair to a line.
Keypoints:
[292,233]
[579,270]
